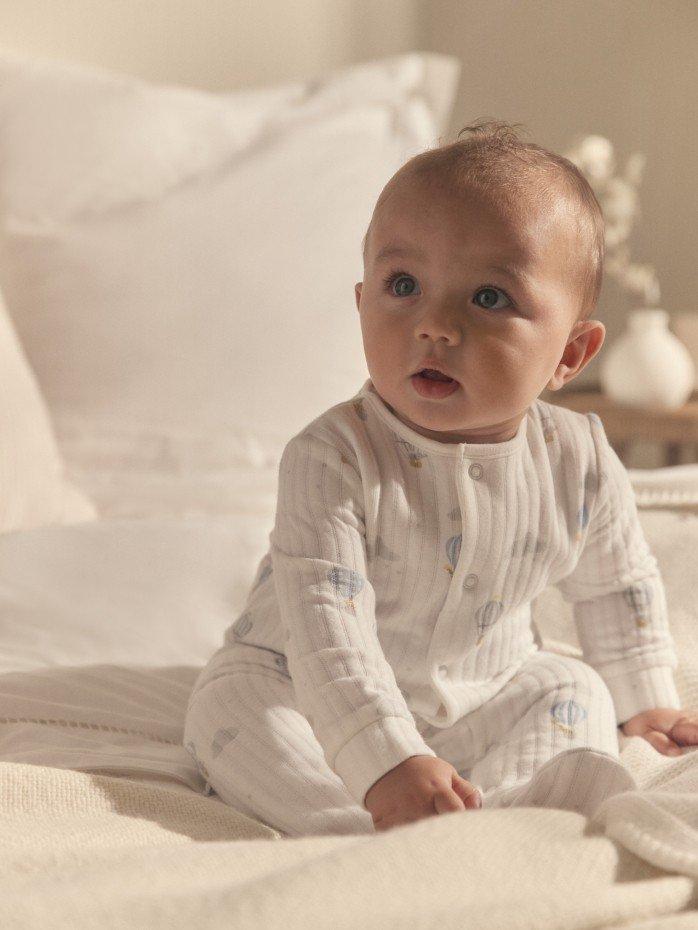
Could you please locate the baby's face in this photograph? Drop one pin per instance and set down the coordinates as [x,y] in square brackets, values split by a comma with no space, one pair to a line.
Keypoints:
[501,337]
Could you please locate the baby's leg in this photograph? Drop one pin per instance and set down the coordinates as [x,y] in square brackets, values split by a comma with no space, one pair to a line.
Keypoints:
[548,739]
[260,755]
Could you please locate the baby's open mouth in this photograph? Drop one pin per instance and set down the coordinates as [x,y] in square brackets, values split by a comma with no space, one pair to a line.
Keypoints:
[434,384]
[434,375]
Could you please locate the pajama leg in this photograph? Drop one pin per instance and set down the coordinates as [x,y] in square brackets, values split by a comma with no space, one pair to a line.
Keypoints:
[548,739]
[260,755]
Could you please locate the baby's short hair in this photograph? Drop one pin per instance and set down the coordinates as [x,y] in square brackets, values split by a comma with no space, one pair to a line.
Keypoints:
[516,175]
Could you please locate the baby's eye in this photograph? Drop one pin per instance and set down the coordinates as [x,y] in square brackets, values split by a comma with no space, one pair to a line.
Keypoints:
[393,279]
[489,303]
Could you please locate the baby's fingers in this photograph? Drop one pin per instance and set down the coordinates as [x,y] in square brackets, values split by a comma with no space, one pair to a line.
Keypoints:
[662,743]
[685,731]
[469,794]
[447,800]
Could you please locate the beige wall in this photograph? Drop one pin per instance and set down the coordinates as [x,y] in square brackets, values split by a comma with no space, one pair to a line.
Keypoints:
[212,44]
[627,69]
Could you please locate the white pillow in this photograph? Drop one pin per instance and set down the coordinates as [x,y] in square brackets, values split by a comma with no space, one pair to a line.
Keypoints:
[180,265]
[33,491]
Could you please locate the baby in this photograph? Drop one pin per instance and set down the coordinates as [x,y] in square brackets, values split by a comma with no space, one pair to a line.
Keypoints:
[385,668]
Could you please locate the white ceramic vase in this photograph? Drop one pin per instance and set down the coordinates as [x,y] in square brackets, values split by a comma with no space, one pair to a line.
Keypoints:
[648,366]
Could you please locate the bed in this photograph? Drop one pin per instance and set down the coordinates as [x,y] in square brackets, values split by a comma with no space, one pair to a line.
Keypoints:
[157,245]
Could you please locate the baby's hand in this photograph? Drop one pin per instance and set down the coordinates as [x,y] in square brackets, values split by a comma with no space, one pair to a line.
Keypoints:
[418,787]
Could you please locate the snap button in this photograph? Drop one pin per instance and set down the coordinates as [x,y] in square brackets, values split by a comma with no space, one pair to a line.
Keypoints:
[443,669]
[470,581]
[475,470]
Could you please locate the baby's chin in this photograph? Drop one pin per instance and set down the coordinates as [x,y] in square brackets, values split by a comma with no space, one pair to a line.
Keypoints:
[434,423]
[455,424]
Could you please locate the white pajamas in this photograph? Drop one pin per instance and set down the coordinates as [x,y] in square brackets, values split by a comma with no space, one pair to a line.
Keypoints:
[391,616]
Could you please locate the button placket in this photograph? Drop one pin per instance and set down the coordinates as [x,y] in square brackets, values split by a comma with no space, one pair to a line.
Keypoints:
[475,470]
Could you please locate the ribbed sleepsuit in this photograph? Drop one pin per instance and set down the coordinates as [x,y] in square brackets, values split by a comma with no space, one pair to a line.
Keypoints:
[391,617]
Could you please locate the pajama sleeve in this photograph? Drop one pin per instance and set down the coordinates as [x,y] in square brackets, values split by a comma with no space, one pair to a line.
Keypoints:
[343,683]
[617,593]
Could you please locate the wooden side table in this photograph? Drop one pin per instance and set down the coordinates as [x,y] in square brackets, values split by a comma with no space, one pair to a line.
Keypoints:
[623,425]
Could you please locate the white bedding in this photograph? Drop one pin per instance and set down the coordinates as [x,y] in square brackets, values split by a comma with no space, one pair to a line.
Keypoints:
[88,851]
[103,628]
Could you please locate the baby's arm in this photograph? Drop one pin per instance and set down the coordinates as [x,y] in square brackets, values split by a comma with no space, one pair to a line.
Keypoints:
[618,597]
[343,683]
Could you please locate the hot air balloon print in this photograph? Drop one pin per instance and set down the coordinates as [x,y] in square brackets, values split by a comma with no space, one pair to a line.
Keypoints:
[453,551]
[358,406]
[486,616]
[221,738]
[566,715]
[639,597]
[189,746]
[548,428]
[346,582]
[264,574]
[281,663]
[590,484]
[582,520]
[413,453]
[590,487]
[242,625]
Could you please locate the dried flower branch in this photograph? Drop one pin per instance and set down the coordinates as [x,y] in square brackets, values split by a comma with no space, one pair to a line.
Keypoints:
[618,196]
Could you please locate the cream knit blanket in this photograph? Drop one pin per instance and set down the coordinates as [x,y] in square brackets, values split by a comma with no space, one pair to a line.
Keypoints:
[81,850]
